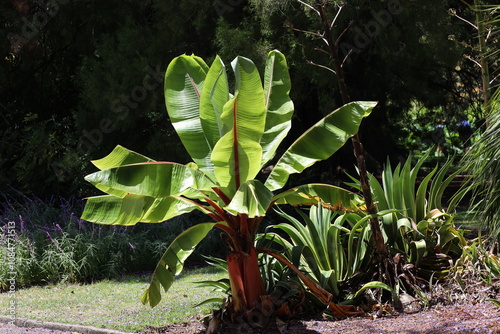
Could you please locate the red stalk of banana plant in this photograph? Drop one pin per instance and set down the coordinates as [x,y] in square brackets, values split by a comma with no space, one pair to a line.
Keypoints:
[247,285]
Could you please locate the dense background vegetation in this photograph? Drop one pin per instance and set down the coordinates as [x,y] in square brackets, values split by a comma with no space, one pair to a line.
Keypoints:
[78,78]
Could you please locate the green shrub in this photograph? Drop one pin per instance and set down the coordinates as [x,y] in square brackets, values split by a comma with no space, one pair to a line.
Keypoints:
[477,261]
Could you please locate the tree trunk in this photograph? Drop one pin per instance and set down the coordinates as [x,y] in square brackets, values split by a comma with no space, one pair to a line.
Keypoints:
[380,248]
[485,70]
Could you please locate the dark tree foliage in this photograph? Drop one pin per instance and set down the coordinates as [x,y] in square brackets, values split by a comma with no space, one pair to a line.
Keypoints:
[79,77]
[396,52]
[41,52]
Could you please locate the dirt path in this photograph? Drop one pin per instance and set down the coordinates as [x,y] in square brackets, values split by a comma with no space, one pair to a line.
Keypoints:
[11,329]
[46,327]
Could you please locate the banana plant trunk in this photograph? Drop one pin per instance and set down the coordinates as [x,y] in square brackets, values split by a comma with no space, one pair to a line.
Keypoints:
[247,285]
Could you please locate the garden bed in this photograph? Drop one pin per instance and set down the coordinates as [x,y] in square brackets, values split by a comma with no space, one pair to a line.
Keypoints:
[469,318]
[451,309]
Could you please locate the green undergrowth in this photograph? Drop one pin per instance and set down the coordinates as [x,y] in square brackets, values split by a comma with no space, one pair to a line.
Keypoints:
[52,244]
[115,304]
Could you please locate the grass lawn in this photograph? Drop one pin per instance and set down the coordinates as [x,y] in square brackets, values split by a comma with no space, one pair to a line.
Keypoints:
[115,304]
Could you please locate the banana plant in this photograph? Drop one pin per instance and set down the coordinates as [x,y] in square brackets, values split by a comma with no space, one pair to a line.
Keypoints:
[230,137]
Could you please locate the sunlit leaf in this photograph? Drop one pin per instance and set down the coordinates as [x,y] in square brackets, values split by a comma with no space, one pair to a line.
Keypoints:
[319,142]
[158,179]
[252,199]
[120,156]
[184,81]
[132,209]
[373,285]
[172,261]
[214,96]
[331,197]
[237,155]
[279,106]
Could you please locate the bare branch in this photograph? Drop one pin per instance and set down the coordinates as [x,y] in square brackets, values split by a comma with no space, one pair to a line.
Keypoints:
[324,51]
[495,78]
[453,12]
[321,66]
[343,32]
[337,15]
[473,60]
[307,5]
[345,58]
[290,26]
[325,40]
[461,18]
[488,34]
[452,38]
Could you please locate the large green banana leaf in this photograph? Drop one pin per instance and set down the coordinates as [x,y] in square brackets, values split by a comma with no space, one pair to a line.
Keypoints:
[120,156]
[184,81]
[237,155]
[214,96]
[319,142]
[155,179]
[279,106]
[172,261]
[123,206]
[132,209]
[252,199]
[334,198]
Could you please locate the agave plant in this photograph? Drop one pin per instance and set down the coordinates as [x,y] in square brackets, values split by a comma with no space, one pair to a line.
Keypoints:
[421,228]
[230,138]
[334,247]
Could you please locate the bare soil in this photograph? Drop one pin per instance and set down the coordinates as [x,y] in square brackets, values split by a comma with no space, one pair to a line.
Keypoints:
[450,309]
[481,318]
